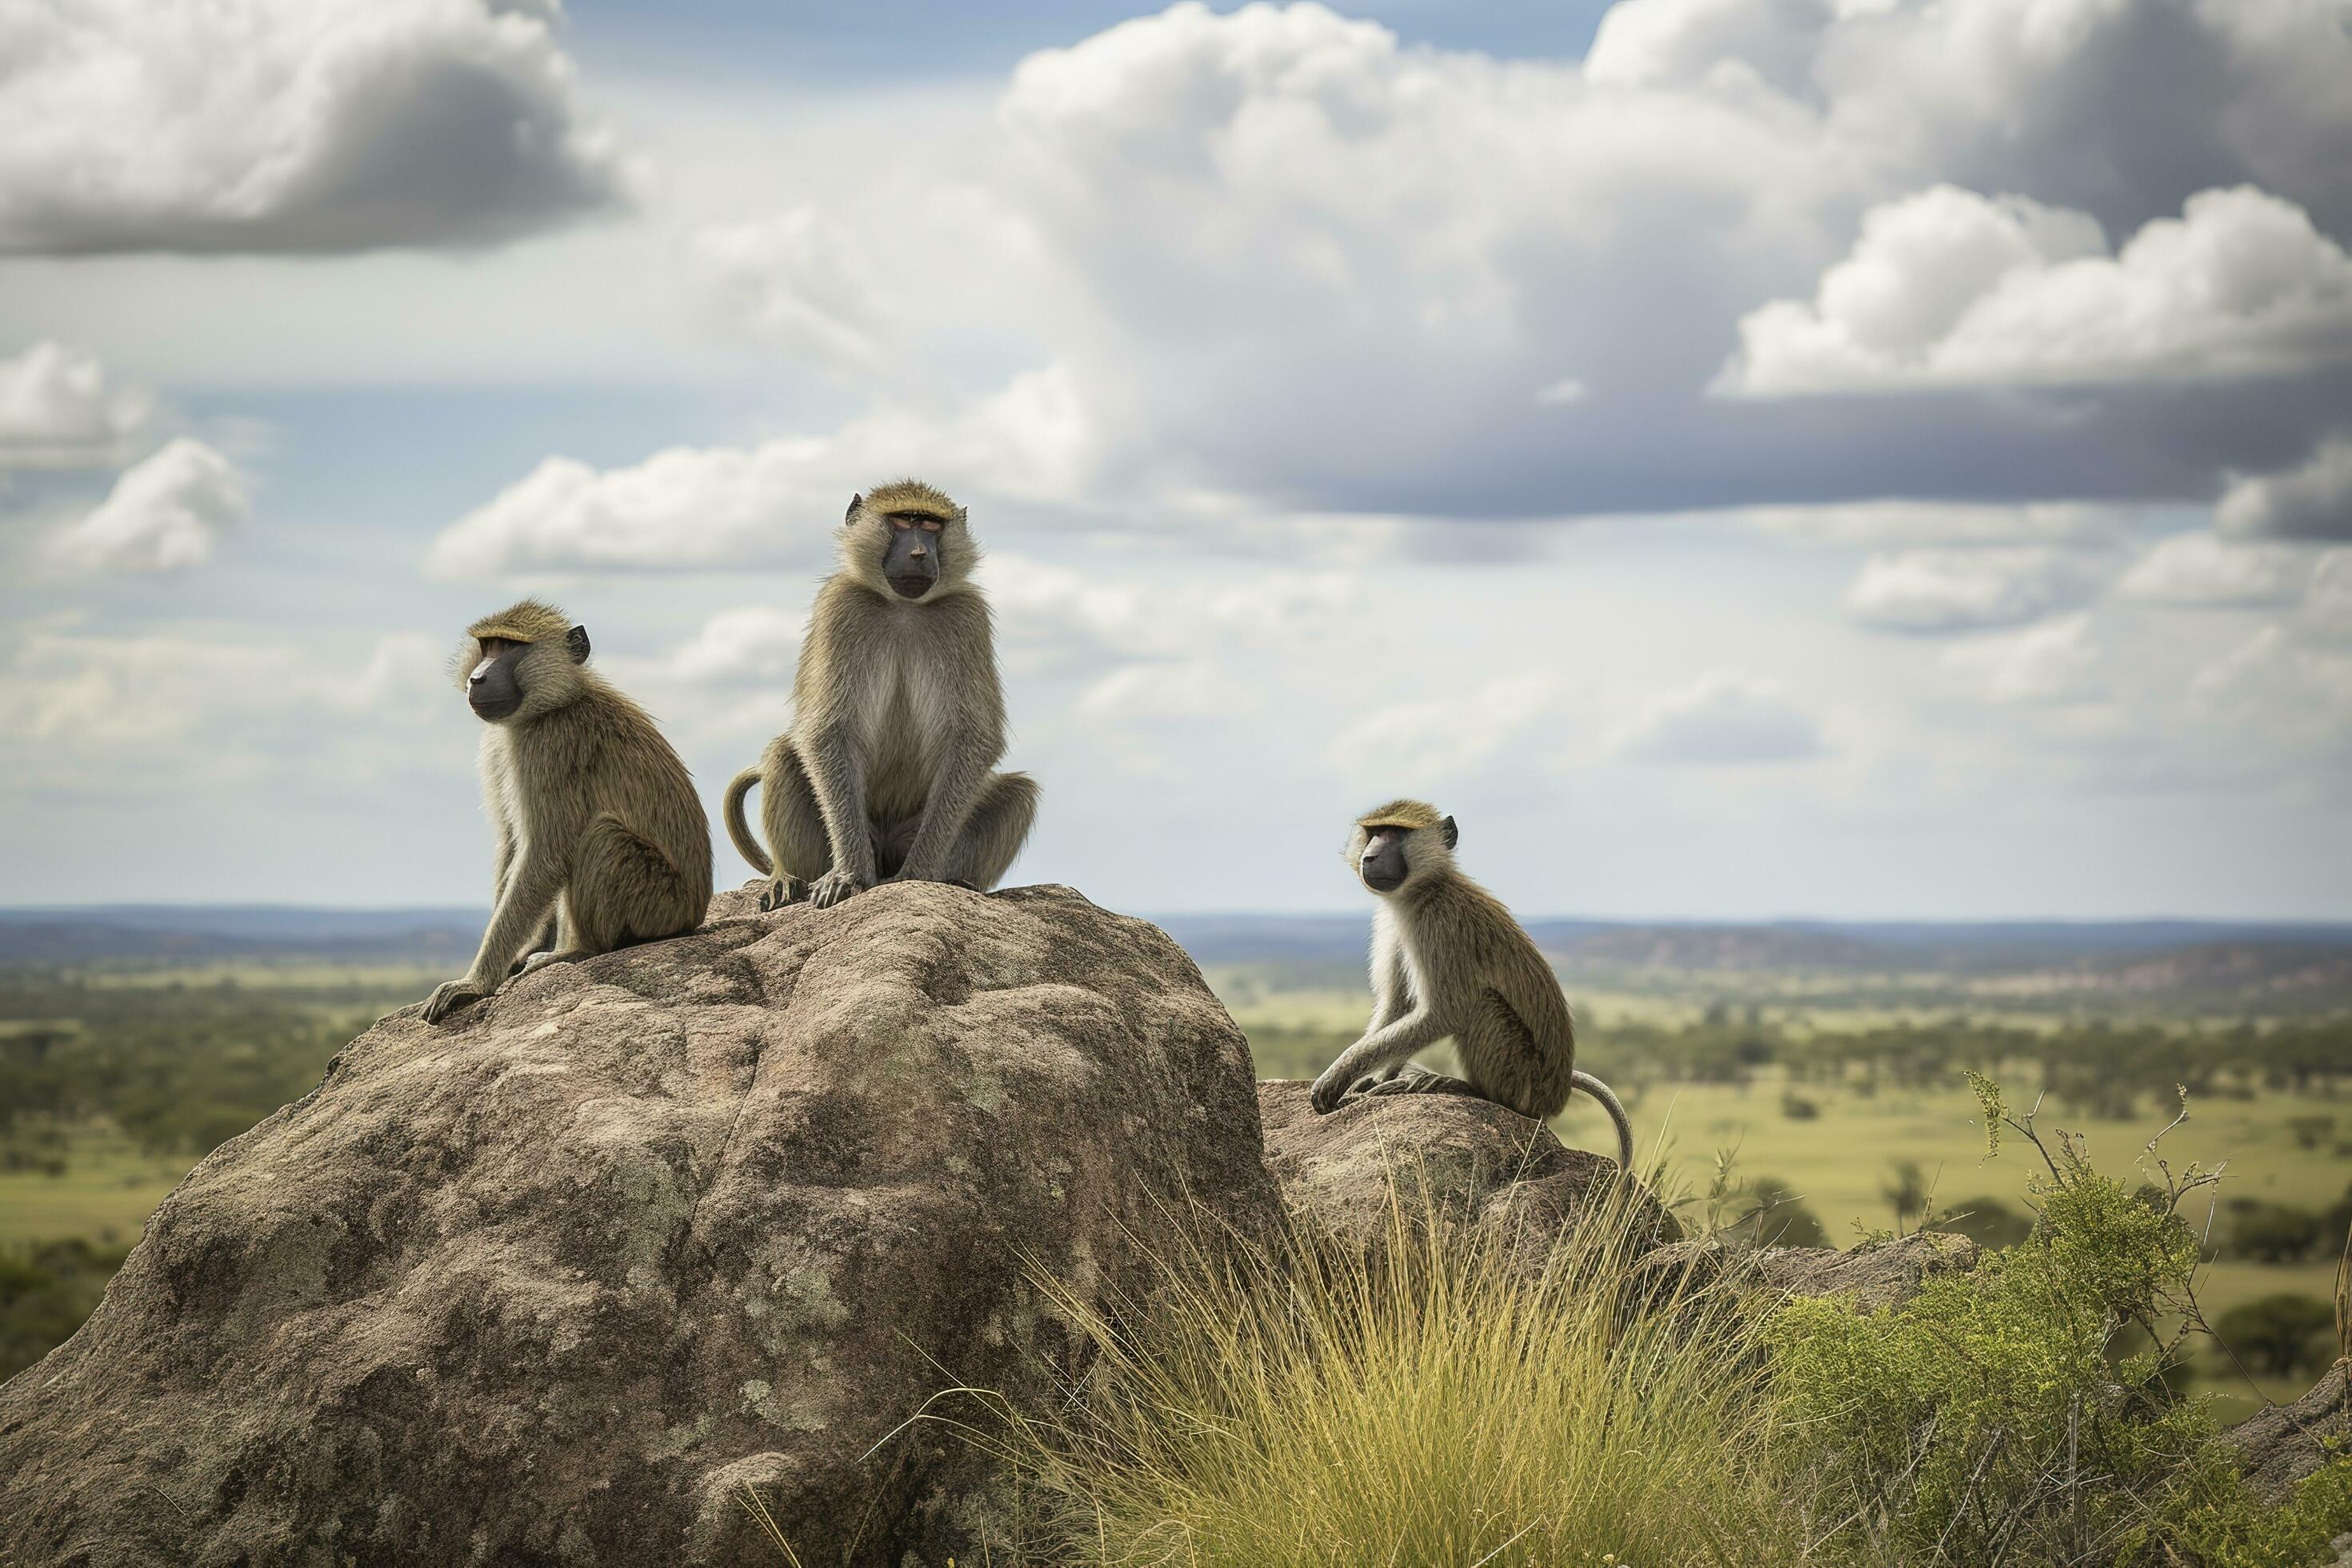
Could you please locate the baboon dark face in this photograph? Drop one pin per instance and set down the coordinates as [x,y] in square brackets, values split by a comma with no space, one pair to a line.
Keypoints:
[910,560]
[494,691]
[1382,863]
[513,672]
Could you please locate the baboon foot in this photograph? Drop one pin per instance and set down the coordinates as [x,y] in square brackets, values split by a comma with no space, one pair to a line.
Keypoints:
[448,996]
[833,887]
[783,888]
[1421,1080]
[538,961]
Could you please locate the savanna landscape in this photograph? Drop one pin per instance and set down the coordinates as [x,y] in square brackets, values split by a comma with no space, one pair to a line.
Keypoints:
[1791,1086]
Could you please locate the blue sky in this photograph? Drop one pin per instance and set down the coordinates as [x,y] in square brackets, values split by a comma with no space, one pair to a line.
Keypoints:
[1745,457]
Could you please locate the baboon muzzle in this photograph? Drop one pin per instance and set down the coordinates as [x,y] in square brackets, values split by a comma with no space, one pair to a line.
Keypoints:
[911,564]
[492,690]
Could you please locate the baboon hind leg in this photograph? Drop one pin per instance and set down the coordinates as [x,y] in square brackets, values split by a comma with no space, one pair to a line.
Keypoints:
[796,827]
[1501,1055]
[999,825]
[623,890]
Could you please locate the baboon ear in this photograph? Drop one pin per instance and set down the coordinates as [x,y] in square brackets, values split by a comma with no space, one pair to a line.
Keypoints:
[855,502]
[1453,834]
[576,642]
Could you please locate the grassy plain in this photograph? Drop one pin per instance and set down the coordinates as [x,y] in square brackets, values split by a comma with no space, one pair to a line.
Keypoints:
[253,1035]
[1840,1159]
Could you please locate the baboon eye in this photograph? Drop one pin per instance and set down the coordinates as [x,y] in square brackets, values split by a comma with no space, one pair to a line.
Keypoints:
[933,525]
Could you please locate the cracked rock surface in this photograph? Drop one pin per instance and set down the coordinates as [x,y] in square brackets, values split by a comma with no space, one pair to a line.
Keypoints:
[554,1282]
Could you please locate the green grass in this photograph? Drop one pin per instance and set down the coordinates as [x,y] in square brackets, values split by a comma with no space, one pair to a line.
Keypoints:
[1320,1408]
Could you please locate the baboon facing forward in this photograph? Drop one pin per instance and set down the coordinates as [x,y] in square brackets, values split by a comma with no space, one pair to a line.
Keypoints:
[887,772]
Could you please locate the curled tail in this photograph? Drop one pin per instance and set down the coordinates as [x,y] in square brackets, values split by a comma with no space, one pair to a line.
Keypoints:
[745,844]
[1616,1110]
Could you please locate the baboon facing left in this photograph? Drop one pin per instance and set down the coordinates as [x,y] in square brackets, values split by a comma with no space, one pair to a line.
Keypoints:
[597,822]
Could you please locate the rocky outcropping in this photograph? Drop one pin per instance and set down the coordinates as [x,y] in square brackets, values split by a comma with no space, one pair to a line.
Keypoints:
[1874,1275]
[557,1281]
[1468,1161]
[2281,1444]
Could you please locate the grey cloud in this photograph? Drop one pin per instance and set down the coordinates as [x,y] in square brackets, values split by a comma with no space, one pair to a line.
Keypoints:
[292,125]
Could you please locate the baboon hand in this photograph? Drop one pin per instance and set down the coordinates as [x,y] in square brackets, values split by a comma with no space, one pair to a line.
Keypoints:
[448,996]
[538,961]
[783,888]
[1330,1090]
[835,886]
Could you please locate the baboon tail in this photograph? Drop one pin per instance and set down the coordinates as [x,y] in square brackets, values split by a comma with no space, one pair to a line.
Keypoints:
[1616,1110]
[746,845]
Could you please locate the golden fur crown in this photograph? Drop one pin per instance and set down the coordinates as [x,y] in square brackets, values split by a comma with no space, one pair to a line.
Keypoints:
[527,620]
[912,495]
[1405,814]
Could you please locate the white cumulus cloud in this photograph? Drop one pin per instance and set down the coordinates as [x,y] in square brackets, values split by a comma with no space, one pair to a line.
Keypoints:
[2312,501]
[300,125]
[755,643]
[2057,661]
[1948,288]
[1723,720]
[1939,591]
[58,411]
[777,502]
[163,515]
[2200,570]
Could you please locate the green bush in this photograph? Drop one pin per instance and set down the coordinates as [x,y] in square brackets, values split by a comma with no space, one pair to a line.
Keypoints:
[1987,1419]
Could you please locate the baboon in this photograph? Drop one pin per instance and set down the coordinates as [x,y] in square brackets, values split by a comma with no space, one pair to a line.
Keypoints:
[898,721]
[595,817]
[1448,959]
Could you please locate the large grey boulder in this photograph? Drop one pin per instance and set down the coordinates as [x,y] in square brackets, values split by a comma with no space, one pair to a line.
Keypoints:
[1466,1162]
[557,1281]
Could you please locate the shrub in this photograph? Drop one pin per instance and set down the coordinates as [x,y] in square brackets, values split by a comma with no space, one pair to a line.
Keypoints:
[1983,1421]
[2280,1334]
[1797,1107]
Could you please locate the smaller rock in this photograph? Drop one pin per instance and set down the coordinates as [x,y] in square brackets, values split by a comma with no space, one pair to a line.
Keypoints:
[2281,1444]
[1468,1160]
[1875,1274]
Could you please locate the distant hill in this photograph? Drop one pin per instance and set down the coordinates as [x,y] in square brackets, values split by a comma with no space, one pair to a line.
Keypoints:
[202,933]
[2218,964]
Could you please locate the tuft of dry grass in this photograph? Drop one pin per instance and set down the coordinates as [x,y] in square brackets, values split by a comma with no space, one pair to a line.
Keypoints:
[1426,1402]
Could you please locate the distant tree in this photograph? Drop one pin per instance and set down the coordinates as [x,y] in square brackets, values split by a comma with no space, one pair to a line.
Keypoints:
[1907,1192]
[2281,1335]
[2312,1131]
[1781,1216]
[2274,1233]
[1797,1107]
[1987,1222]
